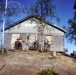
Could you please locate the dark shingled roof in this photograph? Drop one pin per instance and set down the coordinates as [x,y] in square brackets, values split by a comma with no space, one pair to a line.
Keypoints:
[37,17]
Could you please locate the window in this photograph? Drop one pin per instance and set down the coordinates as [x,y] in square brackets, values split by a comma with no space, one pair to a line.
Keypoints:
[32,38]
[49,39]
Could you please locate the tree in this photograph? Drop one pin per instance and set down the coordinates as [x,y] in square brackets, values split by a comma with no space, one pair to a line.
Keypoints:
[45,9]
[8,10]
[71,34]
[13,9]
[58,19]
[74,7]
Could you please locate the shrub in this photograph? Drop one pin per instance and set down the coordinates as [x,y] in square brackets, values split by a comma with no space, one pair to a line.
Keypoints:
[47,72]
[0,50]
[4,50]
[72,54]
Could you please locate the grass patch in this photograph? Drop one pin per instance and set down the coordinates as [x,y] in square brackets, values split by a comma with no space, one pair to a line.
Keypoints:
[47,72]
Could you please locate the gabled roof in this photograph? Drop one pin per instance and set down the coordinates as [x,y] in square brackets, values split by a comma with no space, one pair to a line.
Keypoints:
[36,17]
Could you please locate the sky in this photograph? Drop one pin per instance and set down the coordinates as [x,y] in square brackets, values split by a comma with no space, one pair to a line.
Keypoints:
[64,9]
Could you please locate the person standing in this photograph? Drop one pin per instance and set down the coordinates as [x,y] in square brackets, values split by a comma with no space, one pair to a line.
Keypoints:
[20,43]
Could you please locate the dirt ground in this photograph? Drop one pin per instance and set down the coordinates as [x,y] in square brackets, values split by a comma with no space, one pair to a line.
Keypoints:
[31,62]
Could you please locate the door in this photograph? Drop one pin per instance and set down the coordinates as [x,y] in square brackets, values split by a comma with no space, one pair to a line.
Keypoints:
[14,38]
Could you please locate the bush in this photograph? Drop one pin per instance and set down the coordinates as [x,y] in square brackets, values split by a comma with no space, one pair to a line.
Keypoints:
[47,72]
[72,54]
[4,50]
[0,50]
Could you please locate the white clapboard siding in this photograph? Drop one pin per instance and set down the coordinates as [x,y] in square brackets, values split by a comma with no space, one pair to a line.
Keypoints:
[53,34]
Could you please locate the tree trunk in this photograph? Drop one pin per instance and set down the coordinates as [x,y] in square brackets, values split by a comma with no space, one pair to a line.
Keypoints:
[54,53]
[41,37]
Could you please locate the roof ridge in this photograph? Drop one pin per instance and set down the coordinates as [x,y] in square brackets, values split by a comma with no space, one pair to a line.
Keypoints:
[37,17]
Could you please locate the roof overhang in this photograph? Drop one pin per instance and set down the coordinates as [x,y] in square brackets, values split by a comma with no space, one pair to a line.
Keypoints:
[36,17]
